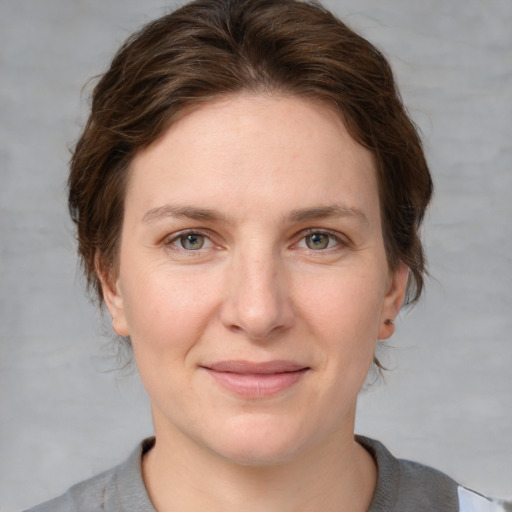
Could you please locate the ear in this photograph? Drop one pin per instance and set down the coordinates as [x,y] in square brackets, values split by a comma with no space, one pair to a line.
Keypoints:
[113,297]
[393,301]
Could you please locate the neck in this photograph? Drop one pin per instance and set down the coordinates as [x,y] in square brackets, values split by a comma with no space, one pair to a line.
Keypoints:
[180,475]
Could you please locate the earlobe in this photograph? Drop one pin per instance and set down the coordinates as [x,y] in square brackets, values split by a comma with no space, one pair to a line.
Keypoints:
[114,303]
[113,299]
[393,301]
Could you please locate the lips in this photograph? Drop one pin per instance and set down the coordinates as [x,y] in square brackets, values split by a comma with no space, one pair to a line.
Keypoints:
[256,380]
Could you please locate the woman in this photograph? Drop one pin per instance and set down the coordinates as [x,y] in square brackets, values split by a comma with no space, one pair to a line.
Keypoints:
[248,192]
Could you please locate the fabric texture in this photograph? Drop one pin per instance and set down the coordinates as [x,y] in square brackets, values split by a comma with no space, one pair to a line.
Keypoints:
[402,486]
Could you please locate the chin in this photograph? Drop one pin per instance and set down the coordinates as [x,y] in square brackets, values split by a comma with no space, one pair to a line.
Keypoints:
[258,442]
[258,453]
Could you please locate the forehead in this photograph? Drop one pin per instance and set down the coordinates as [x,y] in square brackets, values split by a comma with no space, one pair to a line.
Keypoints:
[264,151]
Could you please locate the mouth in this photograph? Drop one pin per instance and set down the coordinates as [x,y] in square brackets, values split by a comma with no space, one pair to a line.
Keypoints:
[256,380]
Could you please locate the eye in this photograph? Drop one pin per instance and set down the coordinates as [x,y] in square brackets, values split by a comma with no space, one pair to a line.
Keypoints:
[321,241]
[189,241]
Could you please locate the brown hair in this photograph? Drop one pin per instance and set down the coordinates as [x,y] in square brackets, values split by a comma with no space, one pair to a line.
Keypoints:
[210,48]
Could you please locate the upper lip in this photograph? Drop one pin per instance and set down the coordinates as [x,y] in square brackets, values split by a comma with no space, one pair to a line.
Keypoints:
[253,368]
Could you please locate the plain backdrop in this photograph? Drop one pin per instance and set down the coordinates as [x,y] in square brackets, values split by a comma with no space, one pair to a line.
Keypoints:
[67,413]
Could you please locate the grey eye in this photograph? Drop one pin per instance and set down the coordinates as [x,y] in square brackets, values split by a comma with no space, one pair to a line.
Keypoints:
[192,242]
[317,241]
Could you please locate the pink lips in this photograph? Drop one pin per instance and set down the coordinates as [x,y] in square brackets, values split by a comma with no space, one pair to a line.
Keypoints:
[256,380]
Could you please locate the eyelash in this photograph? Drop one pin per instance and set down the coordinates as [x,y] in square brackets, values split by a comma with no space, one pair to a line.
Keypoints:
[340,243]
[172,241]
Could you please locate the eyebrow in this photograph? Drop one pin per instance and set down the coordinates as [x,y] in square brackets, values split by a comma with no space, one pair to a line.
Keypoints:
[210,214]
[322,212]
[189,212]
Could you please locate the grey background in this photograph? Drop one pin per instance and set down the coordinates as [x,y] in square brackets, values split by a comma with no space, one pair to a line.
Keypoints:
[66,413]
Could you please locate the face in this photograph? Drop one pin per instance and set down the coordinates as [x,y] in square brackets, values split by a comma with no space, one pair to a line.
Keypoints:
[253,279]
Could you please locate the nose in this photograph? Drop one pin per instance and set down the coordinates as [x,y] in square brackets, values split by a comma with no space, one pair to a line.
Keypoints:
[258,301]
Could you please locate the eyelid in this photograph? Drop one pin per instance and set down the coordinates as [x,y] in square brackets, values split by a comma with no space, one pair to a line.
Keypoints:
[170,240]
[342,240]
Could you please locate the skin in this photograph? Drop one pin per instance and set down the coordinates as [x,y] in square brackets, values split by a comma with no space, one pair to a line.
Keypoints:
[254,178]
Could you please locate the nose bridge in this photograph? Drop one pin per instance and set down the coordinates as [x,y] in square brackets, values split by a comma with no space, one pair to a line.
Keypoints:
[258,298]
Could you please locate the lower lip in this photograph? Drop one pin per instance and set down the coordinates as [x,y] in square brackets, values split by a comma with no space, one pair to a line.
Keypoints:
[257,385]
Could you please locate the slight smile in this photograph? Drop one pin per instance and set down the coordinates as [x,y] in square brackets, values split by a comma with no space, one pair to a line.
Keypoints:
[256,380]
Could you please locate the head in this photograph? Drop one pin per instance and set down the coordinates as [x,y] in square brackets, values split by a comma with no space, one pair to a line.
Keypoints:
[209,49]
[248,192]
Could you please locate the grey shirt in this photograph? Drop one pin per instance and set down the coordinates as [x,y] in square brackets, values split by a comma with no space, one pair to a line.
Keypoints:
[402,486]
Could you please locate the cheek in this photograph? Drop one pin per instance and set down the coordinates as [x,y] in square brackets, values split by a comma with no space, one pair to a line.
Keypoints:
[167,311]
[343,309]
[345,304]
[167,316]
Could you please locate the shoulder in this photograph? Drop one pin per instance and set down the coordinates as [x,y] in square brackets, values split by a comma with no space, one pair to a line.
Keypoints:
[407,486]
[424,484]
[87,495]
[118,489]
[470,501]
